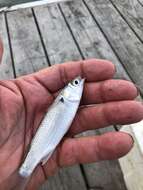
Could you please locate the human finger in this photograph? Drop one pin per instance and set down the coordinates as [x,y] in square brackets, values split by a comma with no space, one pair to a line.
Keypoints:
[57,76]
[105,147]
[103,115]
[109,90]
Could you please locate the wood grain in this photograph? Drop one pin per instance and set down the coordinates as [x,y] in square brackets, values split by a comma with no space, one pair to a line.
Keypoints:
[123,40]
[88,36]
[26,44]
[57,38]
[132,14]
[141,2]
[6,69]
[61,180]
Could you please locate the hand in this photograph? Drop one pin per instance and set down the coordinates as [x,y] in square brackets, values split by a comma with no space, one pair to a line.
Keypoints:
[24,101]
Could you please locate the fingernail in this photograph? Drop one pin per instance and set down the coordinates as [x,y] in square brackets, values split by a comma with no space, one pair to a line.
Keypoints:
[131,137]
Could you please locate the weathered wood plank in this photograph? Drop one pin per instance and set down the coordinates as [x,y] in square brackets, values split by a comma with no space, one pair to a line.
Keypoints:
[61,180]
[53,183]
[88,35]
[132,11]
[6,69]
[108,175]
[70,178]
[127,46]
[10,5]
[141,2]
[132,164]
[75,176]
[26,45]
[58,40]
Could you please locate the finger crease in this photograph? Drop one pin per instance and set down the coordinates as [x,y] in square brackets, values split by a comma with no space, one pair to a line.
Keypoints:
[82,65]
[63,74]
[101,92]
[105,116]
[25,122]
[98,150]
[42,84]
[44,172]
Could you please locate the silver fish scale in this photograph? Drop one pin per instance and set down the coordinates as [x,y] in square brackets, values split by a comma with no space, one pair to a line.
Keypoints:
[46,126]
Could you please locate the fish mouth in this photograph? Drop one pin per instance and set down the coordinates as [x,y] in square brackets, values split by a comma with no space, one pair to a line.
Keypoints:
[83,81]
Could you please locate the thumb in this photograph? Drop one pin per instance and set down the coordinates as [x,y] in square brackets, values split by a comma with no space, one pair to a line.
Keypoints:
[1,50]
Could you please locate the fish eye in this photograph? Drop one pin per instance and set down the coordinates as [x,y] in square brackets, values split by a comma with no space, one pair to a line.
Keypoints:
[75,82]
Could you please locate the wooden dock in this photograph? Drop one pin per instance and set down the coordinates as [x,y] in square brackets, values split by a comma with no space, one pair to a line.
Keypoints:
[35,38]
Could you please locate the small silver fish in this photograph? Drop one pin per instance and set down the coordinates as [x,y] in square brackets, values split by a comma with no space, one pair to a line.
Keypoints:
[54,126]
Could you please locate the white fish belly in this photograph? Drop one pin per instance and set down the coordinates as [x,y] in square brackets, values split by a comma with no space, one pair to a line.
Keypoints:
[56,123]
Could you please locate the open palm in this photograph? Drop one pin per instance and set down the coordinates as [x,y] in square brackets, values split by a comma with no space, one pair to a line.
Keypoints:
[24,101]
